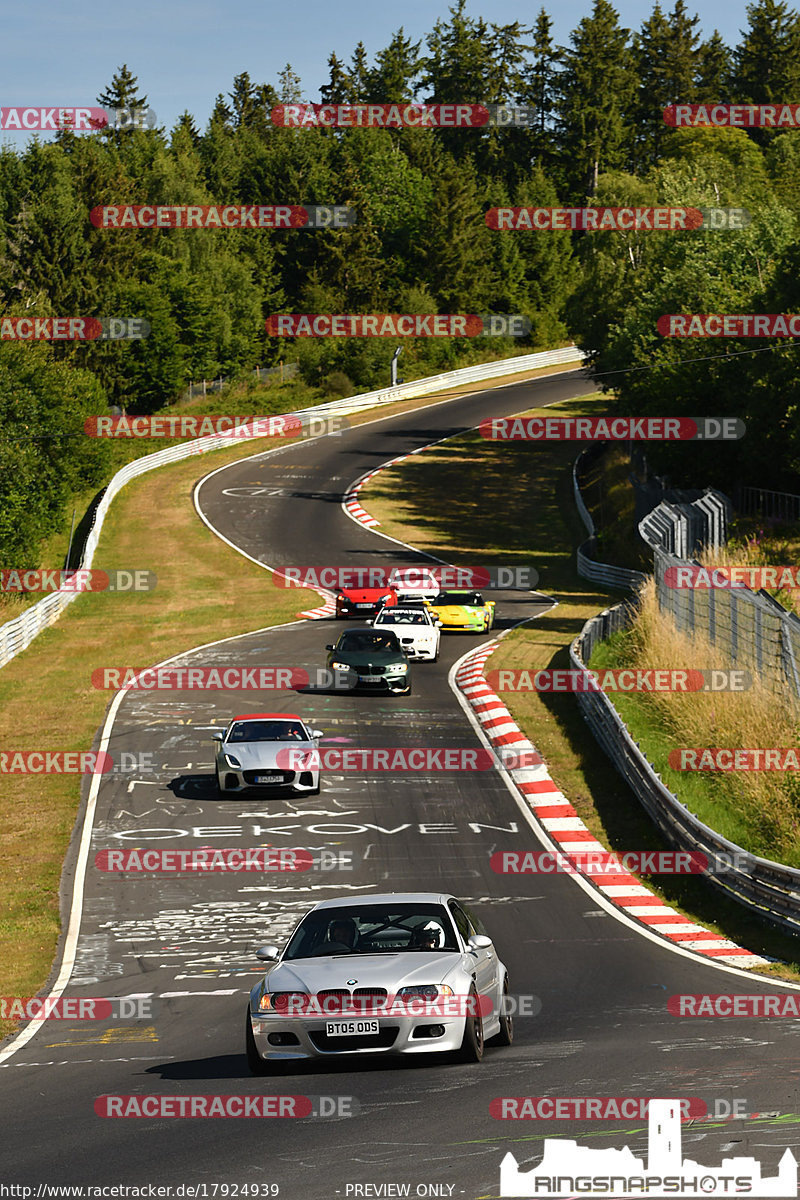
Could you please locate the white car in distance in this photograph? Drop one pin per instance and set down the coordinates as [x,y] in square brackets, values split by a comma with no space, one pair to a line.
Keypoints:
[417,583]
[417,630]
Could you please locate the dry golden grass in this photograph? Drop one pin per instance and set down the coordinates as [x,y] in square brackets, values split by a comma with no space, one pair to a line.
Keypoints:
[763,807]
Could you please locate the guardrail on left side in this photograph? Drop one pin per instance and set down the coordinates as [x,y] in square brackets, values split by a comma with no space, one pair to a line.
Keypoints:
[18,633]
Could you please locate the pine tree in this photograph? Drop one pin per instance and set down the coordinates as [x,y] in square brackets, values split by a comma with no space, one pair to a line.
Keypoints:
[459,63]
[595,92]
[359,75]
[123,91]
[666,55]
[767,61]
[338,89]
[714,67]
[392,79]
[456,240]
[242,100]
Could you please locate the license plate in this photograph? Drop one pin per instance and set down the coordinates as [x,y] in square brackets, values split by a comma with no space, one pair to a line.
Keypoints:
[269,779]
[351,1028]
[370,678]
[364,606]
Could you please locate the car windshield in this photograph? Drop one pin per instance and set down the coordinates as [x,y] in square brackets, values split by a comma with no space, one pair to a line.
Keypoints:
[393,617]
[368,641]
[267,731]
[468,598]
[413,580]
[373,929]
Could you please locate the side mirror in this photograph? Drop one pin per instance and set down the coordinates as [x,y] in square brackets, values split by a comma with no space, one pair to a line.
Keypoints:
[369,621]
[268,953]
[479,941]
[217,737]
[329,646]
[316,733]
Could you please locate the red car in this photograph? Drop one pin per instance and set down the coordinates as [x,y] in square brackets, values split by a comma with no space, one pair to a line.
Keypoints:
[364,602]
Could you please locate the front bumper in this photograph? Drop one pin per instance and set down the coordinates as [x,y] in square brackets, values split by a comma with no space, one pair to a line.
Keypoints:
[387,683]
[421,652]
[396,1036]
[239,780]
[343,611]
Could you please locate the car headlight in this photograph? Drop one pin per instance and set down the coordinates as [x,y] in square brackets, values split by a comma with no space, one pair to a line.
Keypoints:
[340,666]
[401,668]
[282,1002]
[428,991]
[232,761]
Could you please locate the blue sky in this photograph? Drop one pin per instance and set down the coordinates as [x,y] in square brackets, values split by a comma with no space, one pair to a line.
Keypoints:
[184,52]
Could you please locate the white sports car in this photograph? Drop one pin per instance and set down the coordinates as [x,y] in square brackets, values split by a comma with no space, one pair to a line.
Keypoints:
[268,750]
[400,973]
[414,582]
[417,630]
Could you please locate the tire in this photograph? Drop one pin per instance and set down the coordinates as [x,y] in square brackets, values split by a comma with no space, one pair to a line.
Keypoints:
[472,1043]
[505,1035]
[255,1062]
[220,788]
[314,791]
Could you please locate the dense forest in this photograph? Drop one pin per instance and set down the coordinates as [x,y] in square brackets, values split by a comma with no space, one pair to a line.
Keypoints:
[420,243]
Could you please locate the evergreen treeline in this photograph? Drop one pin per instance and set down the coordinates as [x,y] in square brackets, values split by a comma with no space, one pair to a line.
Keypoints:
[421,243]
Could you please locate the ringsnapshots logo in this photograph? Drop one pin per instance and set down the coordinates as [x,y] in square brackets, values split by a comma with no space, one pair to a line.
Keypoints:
[389,325]
[261,1107]
[236,428]
[567,1169]
[222,216]
[620,679]
[343,578]
[616,220]
[740,116]
[733,325]
[611,429]
[403,116]
[73,329]
[80,120]
[85,579]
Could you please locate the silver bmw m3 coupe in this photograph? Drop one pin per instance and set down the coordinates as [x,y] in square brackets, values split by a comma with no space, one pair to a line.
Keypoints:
[400,973]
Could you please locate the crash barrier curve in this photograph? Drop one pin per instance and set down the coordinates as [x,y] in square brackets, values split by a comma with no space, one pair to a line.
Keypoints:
[587,565]
[768,889]
[19,632]
[683,529]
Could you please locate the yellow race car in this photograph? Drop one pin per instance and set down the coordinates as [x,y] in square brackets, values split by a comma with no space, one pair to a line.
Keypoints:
[463,610]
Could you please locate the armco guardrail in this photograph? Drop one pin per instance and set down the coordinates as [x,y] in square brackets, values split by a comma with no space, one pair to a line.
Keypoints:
[770,890]
[587,565]
[18,633]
